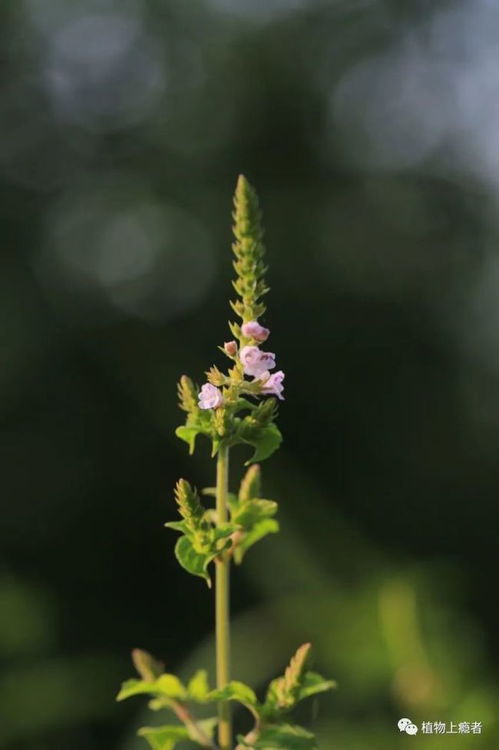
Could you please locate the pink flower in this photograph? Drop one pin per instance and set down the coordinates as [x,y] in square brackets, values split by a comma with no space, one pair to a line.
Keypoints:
[210,397]
[256,362]
[253,330]
[230,348]
[273,386]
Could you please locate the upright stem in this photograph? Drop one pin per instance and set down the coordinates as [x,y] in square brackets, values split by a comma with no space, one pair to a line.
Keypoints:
[222,613]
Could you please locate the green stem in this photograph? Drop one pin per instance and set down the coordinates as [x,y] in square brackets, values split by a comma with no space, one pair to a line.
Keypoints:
[222,613]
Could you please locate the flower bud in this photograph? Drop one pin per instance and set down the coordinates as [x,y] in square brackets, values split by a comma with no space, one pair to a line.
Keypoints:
[230,348]
[253,330]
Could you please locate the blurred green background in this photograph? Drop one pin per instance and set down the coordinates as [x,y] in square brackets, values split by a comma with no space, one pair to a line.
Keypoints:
[371,131]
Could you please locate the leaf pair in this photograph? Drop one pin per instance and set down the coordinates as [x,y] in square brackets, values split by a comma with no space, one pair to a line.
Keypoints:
[251,516]
[167,688]
[167,691]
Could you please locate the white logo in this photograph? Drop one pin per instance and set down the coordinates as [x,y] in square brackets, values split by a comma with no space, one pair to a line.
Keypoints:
[406,725]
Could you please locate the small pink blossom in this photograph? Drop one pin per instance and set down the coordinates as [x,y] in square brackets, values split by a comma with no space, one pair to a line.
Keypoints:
[253,330]
[210,397]
[273,386]
[256,362]
[230,348]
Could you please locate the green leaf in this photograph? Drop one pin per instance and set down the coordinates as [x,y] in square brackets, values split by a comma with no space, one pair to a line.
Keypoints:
[314,683]
[197,687]
[177,526]
[167,686]
[170,686]
[253,511]
[222,532]
[259,531]
[283,737]
[265,440]
[237,691]
[194,562]
[164,738]
[188,435]
[189,432]
[135,687]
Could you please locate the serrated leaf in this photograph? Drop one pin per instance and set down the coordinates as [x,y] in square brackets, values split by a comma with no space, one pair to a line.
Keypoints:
[285,737]
[135,687]
[253,511]
[167,685]
[197,687]
[194,562]
[188,435]
[260,530]
[265,440]
[170,686]
[164,738]
[177,526]
[314,683]
[237,691]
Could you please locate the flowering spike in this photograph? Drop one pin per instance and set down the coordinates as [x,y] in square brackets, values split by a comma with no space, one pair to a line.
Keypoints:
[249,251]
[295,669]
[189,505]
[288,686]
[187,394]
